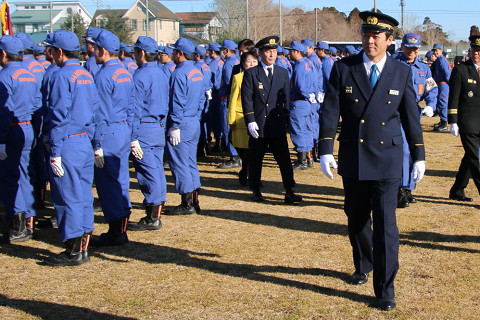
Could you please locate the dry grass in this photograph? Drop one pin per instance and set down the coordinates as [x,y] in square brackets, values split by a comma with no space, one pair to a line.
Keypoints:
[244,260]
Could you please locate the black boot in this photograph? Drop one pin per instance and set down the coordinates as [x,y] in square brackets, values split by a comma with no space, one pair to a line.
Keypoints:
[195,202]
[151,221]
[234,162]
[301,162]
[314,154]
[309,159]
[18,229]
[410,197]
[116,235]
[291,197]
[186,207]
[84,246]
[39,194]
[97,206]
[73,256]
[402,201]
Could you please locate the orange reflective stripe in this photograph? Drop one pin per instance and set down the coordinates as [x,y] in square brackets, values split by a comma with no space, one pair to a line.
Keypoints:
[443,82]
[19,123]
[420,89]
[76,134]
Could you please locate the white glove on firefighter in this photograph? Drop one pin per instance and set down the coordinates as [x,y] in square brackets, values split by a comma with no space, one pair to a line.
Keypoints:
[428,111]
[253,129]
[99,159]
[326,161]
[312,98]
[209,94]
[418,170]
[174,135]
[3,153]
[136,150]
[56,164]
[320,97]
[454,129]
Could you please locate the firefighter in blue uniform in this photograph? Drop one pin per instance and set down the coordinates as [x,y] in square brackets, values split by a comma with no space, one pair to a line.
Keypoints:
[125,55]
[216,66]
[229,49]
[39,54]
[323,52]
[187,95]
[199,56]
[73,101]
[373,94]
[165,60]
[283,62]
[425,89]
[441,75]
[29,61]
[302,97]
[91,64]
[148,132]
[111,142]
[19,99]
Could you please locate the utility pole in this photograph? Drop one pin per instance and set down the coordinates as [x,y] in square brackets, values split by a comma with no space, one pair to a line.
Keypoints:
[146,20]
[374,5]
[402,4]
[246,20]
[280,16]
[316,26]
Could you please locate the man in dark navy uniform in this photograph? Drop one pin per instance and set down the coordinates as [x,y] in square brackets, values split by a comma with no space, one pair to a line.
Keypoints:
[374,95]
[265,97]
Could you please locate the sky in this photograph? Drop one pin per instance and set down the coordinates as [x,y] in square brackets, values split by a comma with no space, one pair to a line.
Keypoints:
[456,17]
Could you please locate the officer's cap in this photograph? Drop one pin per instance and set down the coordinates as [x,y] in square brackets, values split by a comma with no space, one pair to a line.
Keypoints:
[295,45]
[475,41]
[126,47]
[270,42]
[350,49]
[147,44]
[38,48]
[48,40]
[184,45]
[65,40]
[322,45]
[377,22]
[200,50]
[92,33]
[437,46]
[307,43]
[428,54]
[108,41]
[229,44]
[333,50]
[412,40]
[214,46]
[11,44]
[83,49]
[27,41]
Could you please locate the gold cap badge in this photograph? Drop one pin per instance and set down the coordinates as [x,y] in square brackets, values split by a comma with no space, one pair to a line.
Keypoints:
[271,41]
[372,20]
[477,41]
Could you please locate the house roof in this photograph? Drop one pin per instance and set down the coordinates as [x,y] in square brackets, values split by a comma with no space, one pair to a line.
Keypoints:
[112,12]
[196,17]
[32,16]
[160,11]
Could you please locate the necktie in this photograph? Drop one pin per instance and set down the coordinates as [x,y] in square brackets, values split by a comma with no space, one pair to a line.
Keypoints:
[270,74]
[373,76]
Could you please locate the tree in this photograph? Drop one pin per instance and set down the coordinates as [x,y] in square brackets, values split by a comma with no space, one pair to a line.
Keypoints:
[79,25]
[118,26]
[474,31]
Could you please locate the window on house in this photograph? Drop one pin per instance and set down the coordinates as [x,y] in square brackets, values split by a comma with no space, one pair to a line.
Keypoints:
[145,24]
[160,24]
[44,7]
[101,23]
[133,24]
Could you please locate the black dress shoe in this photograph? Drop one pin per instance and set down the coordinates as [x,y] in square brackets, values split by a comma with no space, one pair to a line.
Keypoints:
[257,196]
[387,304]
[460,198]
[291,198]
[359,278]
[402,201]
[410,197]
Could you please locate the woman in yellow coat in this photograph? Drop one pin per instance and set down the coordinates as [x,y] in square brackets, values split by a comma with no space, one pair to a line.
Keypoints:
[235,114]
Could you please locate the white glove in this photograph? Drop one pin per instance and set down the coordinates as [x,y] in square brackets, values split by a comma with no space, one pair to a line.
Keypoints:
[312,98]
[320,97]
[3,153]
[174,135]
[136,150]
[209,94]
[428,111]
[418,170]
[99,159]
[56,164]
[326,161]
[253,129]
[454,129]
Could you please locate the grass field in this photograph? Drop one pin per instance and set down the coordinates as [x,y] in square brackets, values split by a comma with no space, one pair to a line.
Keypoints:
[245,260]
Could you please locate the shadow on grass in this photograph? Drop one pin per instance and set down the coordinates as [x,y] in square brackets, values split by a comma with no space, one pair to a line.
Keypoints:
[430,240]
[151,253]
[45,310]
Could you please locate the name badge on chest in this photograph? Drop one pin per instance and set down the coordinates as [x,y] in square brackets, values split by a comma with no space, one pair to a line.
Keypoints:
[260,85]
[348,90]
[472,81]
[394,92]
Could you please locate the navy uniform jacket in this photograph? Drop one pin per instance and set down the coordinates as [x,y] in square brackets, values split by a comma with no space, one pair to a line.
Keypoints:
[265,103]
[371,144]
[464,98]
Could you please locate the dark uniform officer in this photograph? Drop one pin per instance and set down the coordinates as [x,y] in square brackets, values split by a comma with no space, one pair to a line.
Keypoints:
[464,117]
[374,96]
[265,101]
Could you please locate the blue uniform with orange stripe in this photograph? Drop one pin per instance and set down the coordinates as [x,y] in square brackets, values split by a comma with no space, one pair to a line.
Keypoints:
[187,95]
[43,62]
[168,68]
[327,64]
[441,75]
[114,85]
[92,66]
[317,69]
[19,99]
[130,65]
[73,101]
[285,64]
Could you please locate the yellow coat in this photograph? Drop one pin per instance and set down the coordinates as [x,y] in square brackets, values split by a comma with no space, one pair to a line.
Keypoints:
[235,114]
